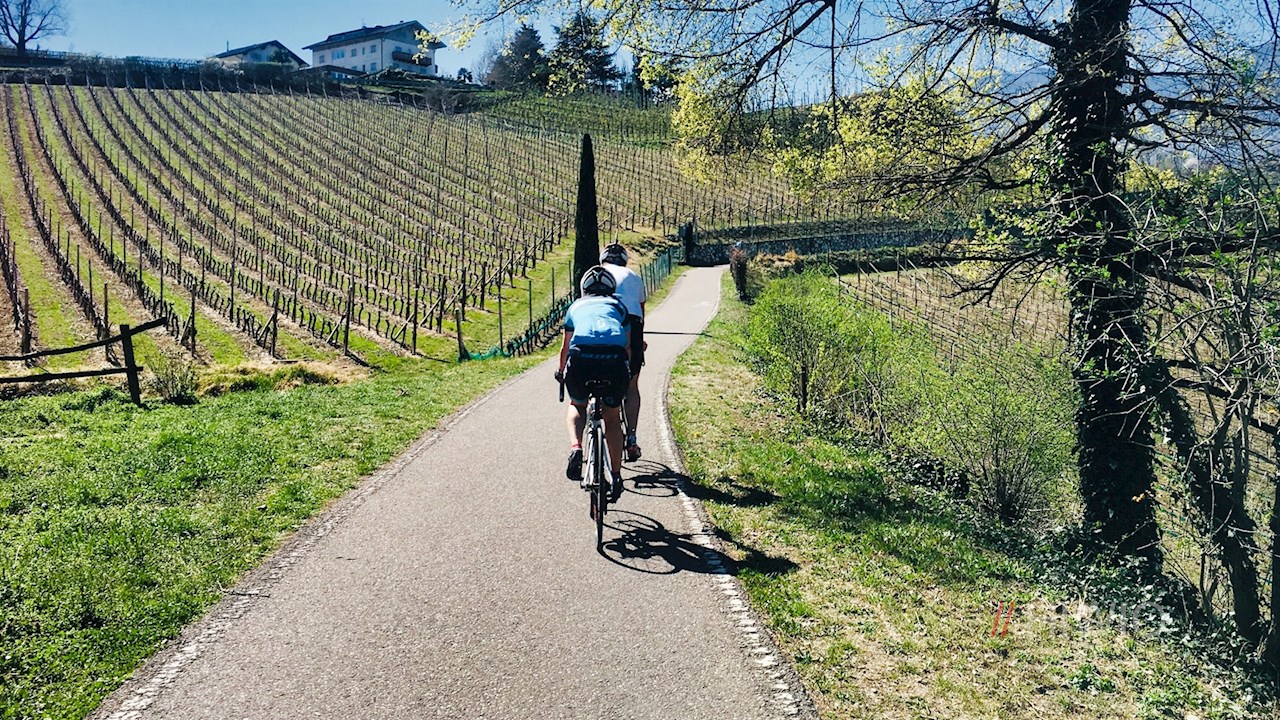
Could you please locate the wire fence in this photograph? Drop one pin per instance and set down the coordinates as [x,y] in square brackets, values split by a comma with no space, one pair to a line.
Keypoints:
[1036,318]
[546,327]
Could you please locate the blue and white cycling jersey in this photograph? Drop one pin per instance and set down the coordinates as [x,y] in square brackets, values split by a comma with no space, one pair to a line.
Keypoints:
[597,320]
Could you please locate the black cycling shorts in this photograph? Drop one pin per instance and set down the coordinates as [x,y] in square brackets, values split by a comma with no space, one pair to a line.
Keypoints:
[636,324]
[601,370]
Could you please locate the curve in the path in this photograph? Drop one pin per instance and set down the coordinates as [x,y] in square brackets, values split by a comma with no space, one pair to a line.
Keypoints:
[463,581]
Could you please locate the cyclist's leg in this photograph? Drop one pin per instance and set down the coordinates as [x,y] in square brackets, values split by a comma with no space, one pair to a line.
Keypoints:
[633,390]
[613,434]
[575,422]
[633,412]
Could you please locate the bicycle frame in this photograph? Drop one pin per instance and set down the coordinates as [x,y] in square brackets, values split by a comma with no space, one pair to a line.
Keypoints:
[596,459]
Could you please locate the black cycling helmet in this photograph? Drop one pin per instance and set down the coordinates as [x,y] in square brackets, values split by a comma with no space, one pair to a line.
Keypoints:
[598,281]
[614,254]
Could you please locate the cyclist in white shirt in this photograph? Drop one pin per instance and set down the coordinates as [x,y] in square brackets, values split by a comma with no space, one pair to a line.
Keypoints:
[631,293]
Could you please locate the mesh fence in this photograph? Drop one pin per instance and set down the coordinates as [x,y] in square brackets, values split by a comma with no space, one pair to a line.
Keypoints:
[964,328]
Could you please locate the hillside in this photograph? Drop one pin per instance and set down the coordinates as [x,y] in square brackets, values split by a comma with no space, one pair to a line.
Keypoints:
[270,222]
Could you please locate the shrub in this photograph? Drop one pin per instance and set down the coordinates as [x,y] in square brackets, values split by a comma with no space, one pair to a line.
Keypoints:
[800,336]
[838,359]
[174,377]
[1005,420]
[738,269]
[891,366]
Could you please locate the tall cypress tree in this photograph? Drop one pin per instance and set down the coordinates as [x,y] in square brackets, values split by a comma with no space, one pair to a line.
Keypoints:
[586,246]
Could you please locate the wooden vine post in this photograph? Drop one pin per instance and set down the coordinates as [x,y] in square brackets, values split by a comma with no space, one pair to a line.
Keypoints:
[26,321]
[191,321]
[415,320]
[131,368]
[462,348]
[346,324]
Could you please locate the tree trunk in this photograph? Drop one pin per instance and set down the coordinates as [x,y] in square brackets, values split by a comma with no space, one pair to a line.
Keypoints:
[1219,501]
[586,247]
[1272,650]
[1094,240]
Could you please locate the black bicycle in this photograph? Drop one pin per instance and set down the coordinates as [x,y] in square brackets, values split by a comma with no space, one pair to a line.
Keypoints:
[596,478]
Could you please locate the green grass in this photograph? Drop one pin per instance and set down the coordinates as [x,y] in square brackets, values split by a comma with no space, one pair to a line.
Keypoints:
[118,525]
[883,593]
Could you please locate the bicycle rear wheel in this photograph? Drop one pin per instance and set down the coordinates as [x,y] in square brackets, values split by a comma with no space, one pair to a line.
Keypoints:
[601,479]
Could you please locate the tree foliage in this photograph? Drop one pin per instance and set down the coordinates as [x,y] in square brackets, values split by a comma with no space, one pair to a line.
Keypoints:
[853,145]
[653,77]
[522,64]
[581,59]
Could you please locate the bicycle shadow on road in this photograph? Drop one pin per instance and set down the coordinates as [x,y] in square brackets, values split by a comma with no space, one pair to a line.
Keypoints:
[655,479]
[647,546]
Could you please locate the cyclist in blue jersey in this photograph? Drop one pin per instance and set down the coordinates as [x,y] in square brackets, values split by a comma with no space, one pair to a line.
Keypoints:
[596,347]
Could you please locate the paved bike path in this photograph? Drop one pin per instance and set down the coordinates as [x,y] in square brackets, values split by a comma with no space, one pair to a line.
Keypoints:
[463,582]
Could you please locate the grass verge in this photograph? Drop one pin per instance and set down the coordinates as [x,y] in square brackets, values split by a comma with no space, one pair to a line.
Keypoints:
[884,593]
[118,525]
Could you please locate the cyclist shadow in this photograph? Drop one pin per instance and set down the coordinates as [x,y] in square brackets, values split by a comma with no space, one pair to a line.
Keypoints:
[654,479]
[646,545]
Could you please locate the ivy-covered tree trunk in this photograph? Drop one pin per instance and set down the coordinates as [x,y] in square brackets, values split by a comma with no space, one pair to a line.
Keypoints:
[1095,242]
[1220,503]
[1272,647]
[586,246]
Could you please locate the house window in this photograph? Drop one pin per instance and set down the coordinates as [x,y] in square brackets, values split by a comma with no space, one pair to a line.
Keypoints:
[362,67]
[373,67]
[320,58]
[373,48]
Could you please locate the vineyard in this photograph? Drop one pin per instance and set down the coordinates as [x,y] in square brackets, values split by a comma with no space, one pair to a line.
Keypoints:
[263,224]
[1034,318]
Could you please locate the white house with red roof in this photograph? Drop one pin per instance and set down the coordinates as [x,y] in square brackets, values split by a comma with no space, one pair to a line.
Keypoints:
[373,49]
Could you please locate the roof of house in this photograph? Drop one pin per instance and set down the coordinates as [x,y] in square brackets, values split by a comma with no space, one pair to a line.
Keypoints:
[365,32]
[270,43]
[321,69]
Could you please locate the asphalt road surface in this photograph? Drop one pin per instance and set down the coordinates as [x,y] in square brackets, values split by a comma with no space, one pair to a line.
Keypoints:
[463,582]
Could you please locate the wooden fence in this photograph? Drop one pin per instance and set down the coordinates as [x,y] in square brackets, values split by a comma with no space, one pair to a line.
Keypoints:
[130,367]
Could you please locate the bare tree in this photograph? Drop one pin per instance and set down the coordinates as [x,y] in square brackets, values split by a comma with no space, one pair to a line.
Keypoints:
[26,20]
[488,58]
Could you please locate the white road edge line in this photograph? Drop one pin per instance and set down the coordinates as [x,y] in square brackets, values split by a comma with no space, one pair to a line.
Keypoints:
[760,646]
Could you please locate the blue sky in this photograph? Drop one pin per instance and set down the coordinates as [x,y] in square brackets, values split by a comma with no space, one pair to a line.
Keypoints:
[199,28]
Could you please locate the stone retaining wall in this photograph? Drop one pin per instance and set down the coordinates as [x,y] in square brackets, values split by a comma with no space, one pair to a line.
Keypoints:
[718,253]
